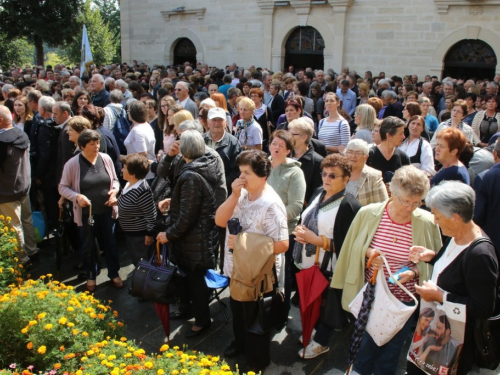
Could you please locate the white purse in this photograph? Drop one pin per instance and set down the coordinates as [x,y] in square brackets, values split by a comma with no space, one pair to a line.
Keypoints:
[388,315]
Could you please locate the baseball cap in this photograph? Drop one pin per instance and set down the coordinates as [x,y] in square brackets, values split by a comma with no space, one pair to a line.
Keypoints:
[216,113]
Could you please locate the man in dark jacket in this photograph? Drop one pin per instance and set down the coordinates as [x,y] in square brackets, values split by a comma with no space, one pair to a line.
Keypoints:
[46,159]
[61,111]
[277,104]
[15,180]
[226,145]
[100,97]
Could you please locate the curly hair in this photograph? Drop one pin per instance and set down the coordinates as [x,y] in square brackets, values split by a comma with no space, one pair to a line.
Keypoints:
[337,160]
[257,160]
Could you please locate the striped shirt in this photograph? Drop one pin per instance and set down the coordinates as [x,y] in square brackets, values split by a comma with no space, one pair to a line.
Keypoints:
[136,209]
[394,240]
[334,133]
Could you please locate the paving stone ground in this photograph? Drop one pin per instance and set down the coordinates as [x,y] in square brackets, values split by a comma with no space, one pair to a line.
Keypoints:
[143,325]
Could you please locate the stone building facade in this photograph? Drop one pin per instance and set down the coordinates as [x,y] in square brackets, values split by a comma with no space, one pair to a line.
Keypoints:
[395,36]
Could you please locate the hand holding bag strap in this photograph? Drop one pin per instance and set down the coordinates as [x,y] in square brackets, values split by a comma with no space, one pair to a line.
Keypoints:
[397,281]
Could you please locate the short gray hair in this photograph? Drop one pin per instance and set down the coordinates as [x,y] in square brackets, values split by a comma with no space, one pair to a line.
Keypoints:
[7,87]
[121,83]
[409,181]
[116,96]
[301,125]
[452,197]
[73,78]
[99,77]
[63,107]
[358,145]
[208,102]
[192,145]
[389,93]
[46,102]
[191,125]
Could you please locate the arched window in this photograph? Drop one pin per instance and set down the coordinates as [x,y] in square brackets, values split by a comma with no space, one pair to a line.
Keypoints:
[304,48]
[470,59]
[184,51]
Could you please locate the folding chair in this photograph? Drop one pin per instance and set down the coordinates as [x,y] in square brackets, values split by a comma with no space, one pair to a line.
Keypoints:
[217,283]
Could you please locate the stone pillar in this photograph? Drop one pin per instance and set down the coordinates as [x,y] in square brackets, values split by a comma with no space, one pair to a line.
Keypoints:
[335,58]
[267,11]
[125,30]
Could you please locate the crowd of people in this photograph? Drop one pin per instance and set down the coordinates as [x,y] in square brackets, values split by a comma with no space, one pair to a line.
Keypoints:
[351,166]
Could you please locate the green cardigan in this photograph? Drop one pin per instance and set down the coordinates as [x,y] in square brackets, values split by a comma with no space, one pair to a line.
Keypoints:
[349,274]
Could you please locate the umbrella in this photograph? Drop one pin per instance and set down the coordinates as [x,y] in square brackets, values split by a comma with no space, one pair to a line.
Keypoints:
[163,311]
[364,312]
[311,283]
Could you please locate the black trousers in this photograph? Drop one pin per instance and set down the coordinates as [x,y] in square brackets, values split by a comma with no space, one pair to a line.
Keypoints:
[195,297]
[255,347]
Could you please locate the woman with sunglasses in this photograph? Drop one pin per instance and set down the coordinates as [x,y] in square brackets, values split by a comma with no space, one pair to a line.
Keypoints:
[320,228]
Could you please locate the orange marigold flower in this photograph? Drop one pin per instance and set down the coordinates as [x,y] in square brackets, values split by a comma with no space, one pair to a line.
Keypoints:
[30,345]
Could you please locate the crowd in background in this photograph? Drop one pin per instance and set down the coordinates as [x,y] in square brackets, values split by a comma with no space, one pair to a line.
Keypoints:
[308,158]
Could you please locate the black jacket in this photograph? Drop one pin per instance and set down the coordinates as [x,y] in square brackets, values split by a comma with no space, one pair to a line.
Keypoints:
[15,171]
[46,159]
[192,230]
[348,209]
[228,149]
[277,108]
[310,164]
[66,150]
[101,99]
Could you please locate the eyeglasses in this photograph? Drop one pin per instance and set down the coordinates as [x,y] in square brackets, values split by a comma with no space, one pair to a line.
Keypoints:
[354,153]
[409,204]
[330,176]
[295,133]
[255,96]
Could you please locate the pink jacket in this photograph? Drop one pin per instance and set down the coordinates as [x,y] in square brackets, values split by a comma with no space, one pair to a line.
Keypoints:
[69,187]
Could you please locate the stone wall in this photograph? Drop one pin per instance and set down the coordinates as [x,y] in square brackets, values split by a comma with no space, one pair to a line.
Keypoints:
[396,36]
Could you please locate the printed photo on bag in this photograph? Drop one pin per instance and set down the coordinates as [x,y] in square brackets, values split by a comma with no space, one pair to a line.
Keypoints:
[438,338]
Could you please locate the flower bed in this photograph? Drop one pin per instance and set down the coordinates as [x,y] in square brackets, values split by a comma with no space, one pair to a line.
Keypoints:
[48,327]
[11,272]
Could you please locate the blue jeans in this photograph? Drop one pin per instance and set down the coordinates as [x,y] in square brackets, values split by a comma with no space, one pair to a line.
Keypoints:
[104,232]
[381,360]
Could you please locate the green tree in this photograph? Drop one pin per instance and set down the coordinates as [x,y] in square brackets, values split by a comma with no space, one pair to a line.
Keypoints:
[15,52]
[110,13]
[101,38]
[51,21]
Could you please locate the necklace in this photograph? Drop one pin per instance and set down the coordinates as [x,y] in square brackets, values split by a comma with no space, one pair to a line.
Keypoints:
[401,227]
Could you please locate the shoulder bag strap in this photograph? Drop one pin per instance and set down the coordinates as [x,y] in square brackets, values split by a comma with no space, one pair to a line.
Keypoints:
[397,281]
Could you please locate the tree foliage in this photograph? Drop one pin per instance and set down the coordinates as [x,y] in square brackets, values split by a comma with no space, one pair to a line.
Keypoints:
[16,52]
[102,42]
[110,13]
[45,21]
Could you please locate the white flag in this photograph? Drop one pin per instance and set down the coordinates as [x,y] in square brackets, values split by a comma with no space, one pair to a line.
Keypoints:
[87,59]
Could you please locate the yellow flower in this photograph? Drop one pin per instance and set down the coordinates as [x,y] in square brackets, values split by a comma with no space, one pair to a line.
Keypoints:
[49,275]
[42,349]
[148,365]
[70,309]
[79,372]
[48,327]
[63,320]
[116,371]
[174,372]
[169,355]
[24,330]
[160,372]
[90,352]
[250,373]
[164,348]
[85,334]
[57,366]
[32,323]
[75,332]
[70,324]
[184,371]
[8,218]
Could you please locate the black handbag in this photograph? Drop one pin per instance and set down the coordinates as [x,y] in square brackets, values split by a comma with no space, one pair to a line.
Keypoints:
[268,311]
[157,279]
[487,337]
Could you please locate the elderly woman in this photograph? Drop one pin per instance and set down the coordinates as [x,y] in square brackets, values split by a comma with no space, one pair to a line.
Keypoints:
[365,184]
[391,227]
[450,144]
[192,230]
[141,138]
[364,118]
[486,123]
[320,228]
[303,152]
[90,179]
[465,270]
[136,208]
[259,210]
[248,131]
[417,147]
[458,112]
[287,179]
[76,125]
[334,130]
